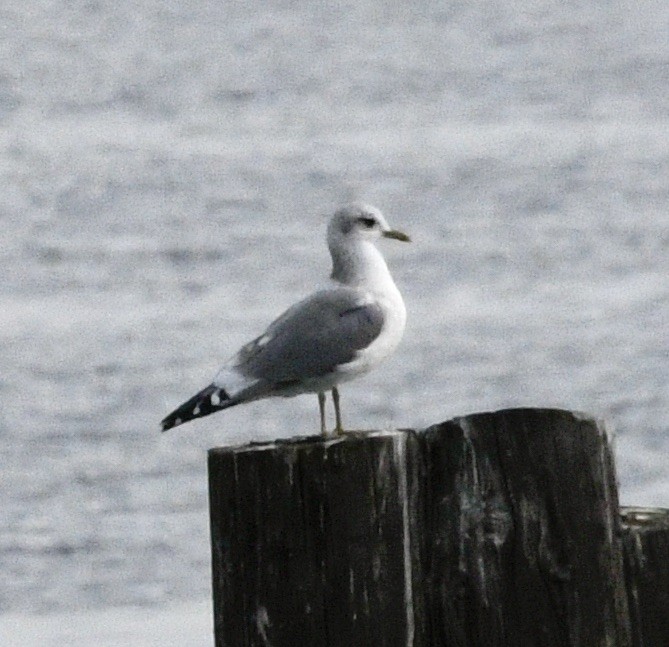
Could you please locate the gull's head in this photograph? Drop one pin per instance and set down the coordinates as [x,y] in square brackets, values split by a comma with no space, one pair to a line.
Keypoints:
[357,221]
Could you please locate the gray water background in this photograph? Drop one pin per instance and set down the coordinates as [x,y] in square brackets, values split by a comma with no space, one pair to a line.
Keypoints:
[167,170]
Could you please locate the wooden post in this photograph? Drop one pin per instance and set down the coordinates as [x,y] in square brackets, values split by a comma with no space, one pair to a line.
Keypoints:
[313,542]
[523,523]
[497,529]
[646,550]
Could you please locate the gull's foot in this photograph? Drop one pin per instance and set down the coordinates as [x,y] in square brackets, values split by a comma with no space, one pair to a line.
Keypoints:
[337,432]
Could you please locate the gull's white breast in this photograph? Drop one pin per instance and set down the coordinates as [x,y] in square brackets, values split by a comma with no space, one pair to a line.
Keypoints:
[394,321]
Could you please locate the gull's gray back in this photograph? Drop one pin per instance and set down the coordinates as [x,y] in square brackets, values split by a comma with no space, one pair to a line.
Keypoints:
[312,338]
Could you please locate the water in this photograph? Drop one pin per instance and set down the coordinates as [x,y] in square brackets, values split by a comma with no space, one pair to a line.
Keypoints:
[167,172]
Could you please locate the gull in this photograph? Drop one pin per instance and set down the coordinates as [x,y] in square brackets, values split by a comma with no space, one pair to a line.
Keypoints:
[334,335]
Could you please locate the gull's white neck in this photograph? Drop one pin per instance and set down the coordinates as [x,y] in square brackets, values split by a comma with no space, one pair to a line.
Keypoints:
[358,263]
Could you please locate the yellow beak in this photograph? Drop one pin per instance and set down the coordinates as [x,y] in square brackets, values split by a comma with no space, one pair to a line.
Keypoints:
[397,235]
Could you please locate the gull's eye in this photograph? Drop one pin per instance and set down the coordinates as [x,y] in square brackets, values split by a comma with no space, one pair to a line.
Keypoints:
[367,222]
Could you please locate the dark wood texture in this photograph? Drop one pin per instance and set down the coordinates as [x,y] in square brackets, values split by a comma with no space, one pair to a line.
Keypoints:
[313,543]
[522,516]
[646,550]
[497,529]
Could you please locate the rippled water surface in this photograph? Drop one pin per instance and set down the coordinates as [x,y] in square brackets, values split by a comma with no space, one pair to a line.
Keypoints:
[167,171]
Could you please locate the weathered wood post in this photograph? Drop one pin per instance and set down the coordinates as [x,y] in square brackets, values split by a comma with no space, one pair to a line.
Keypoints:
[522,512]
[646,551]
[313,542]
[497,529]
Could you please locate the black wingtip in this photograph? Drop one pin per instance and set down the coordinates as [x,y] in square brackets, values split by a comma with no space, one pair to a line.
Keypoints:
[171,421]
[210,399]
[166,424]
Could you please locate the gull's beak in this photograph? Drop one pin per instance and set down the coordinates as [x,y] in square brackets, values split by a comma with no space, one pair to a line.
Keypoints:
[397,235]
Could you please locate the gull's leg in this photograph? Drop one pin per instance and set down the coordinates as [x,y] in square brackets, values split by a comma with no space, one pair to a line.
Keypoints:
[321,406]
[335,398]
